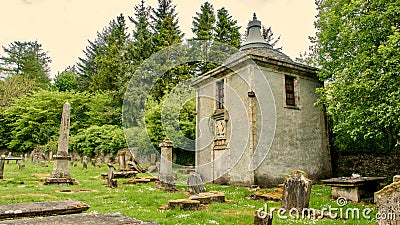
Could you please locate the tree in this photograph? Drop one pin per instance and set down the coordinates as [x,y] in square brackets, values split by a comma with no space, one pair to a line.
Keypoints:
[357,49]
[26,59]
[14,87]
[226,30]
[165,25]
[111,64]
[66,81]
[204,23]
[268,35]
[142,46]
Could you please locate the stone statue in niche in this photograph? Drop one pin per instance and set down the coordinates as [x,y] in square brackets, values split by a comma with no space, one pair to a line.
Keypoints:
[220,128]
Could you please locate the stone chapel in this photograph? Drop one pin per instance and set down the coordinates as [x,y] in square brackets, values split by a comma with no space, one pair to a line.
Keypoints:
[256,118]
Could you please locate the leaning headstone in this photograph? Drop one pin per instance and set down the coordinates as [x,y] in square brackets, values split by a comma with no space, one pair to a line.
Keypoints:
[84,162]
[388,203]
[166,176]
[93,161]
[396,178]
[121,159]
[195,183]
[112,183]
[2,160]
[296,192]
[60,174]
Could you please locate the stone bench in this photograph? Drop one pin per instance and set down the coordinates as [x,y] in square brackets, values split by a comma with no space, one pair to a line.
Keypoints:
[31,209]
[82,218]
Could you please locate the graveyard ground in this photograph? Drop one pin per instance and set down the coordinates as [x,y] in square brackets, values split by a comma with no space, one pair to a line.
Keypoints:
[143,201]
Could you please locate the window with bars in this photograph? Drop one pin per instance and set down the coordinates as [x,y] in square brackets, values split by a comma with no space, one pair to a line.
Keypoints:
[289,89]
[220,94]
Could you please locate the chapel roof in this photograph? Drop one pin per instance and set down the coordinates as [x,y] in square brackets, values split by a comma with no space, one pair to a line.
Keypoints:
[257,45]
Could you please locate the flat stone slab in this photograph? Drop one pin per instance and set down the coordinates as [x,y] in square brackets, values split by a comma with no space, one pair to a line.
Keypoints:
[349,182]
[82,218]
[122,174]
[32,209]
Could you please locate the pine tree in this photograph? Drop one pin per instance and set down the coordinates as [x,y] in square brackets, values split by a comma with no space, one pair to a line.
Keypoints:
[141,47]
[165,25]
[269,37]
[204,23]
[111,64]
[27,59]
[226,30]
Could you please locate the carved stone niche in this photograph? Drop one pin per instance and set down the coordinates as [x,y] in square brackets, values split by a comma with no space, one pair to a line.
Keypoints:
[220,117]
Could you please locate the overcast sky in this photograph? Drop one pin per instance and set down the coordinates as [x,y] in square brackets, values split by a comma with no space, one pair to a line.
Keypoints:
[64,26]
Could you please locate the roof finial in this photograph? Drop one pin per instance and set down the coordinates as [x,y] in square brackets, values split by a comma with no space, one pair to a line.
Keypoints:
[254,16]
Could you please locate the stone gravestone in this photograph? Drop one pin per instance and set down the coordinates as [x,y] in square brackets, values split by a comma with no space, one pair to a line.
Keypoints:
[111,182]
[8,156]
[84,162]
[166,176]
[93,162]
[99,162]
[121,159]
[296,192]
[2,160]
[60,174]
[262,218]
[388,203]
[195,183]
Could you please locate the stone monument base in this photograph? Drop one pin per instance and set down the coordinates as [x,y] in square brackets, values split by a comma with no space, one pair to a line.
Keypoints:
[60,181]
[165,186]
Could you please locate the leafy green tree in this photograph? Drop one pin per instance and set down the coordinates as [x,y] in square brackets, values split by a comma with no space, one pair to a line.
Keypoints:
[66,81]
[14,87]
[357,49]
[34,120]
[27,59]
[226,30]
[96,140]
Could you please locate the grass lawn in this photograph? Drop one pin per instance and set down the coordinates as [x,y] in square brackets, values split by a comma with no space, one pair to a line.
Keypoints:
[142,201]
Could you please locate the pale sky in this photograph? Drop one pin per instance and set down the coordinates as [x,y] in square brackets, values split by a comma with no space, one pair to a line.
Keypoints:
[64,26]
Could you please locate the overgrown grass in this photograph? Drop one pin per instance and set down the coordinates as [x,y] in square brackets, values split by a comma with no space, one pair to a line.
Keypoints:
[142,201]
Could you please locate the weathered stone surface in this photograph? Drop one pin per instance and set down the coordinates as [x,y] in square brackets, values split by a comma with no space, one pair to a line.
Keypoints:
[209,197]
[62,159]
[275,195]
[195,183]
[166,176]
[121,159]
[82,218]
[121,174]
[84,162]
[297,190]
[112,183]
[354,189]
[185,204]
[388,203]
[41,209]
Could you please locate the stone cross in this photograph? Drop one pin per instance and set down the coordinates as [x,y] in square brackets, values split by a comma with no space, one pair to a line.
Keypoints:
[388,203]
[166,176]
[297,190]
[60,174]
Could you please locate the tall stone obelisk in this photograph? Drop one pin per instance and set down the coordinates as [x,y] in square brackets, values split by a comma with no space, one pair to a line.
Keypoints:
[60,174]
